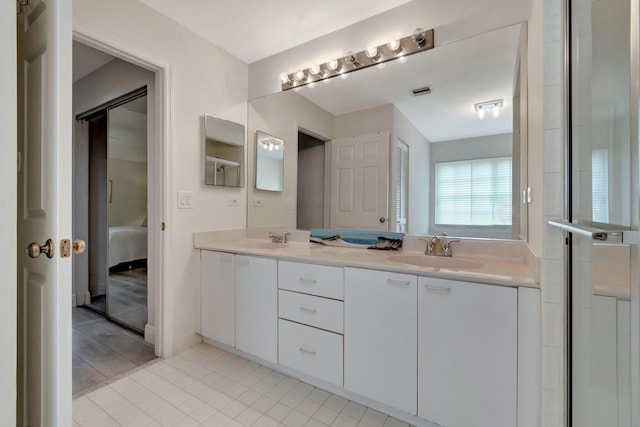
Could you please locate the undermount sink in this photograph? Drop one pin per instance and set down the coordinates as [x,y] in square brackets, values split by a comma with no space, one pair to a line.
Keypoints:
[266,245]
[436,261]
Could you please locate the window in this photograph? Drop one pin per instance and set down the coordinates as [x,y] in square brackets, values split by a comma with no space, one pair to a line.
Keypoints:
[473,192]
[401,170]
[600,185]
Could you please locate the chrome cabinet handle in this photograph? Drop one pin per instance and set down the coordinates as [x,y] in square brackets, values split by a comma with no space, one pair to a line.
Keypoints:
[312,281]
[441,289]
[398,282]
[307,309]
[306,350]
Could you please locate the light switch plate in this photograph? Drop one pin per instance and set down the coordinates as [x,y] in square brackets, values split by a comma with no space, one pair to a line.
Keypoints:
[185,200]
[258,202]
[288,204]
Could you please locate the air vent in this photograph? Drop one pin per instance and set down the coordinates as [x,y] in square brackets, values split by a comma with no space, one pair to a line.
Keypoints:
[421,91]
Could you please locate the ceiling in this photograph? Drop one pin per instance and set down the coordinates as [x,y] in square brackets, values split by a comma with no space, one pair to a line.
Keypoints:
[255,29]
[86,60]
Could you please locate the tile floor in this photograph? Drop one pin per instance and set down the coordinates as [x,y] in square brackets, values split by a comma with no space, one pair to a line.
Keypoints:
[103,350]
[206,386]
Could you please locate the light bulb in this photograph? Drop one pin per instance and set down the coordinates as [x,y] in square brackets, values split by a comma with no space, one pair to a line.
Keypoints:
[420,37]
[298,75]
[394,45]
[284,78]
[277,147]
[372,52]
[481,112]
[333,64]
[271,146]
[495,111]
[315,69]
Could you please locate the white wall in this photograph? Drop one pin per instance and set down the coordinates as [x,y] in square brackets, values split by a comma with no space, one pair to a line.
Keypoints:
[203,78]
[281,115]
[372,120]
[8,244]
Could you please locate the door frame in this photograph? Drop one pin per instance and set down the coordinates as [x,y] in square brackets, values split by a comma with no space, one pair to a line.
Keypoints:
[159,212]
[8,215]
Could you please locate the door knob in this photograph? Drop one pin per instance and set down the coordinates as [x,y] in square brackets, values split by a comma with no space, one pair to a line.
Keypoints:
[34,250]
[382,220]
[79,246]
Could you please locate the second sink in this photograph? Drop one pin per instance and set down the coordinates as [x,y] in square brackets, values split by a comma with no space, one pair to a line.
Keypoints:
[436,261]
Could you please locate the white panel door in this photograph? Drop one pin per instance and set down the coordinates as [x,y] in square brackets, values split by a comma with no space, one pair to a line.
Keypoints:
[380,330]
[359,182]
[467,353]
[44,212]
[257,306]
[218,296]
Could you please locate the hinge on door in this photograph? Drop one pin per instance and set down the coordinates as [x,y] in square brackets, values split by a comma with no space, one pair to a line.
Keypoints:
[162,226]
[65,248]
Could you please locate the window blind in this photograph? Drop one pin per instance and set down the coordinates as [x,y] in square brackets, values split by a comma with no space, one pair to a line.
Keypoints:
[600,185]
[401,169]
[473,192]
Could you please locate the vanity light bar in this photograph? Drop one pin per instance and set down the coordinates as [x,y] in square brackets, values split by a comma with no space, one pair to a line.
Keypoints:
[419,41]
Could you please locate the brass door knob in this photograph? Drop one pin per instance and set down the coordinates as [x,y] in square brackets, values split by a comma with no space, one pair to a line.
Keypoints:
[34,249]
[79,246]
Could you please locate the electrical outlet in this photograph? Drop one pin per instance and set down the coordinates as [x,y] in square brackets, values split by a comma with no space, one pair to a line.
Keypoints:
[258,202]
[288,204]
[234,201]
[185,200]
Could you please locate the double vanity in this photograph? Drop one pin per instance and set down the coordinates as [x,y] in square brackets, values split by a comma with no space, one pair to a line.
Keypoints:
[432,340]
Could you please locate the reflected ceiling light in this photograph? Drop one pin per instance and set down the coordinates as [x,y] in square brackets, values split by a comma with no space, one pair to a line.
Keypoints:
[271,144]
[493,107]
[398,49]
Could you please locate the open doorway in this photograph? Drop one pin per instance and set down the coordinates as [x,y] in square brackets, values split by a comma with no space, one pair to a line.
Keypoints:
[113,108]
[311,182]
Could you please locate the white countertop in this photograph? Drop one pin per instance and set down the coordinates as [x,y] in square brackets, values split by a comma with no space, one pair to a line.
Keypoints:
[483,269]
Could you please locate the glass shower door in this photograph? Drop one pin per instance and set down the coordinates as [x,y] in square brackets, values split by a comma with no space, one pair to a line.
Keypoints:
[600,199]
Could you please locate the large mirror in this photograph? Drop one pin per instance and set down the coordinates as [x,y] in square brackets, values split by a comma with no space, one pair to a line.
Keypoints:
[224,152]
[269,162]
[432,144]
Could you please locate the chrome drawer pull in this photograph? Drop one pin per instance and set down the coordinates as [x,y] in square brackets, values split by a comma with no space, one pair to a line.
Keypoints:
[398,282]
[306,350]
[312,281]
[310,310]
[434,288]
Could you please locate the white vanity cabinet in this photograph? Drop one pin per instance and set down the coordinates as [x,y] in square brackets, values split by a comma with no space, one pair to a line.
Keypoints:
[218,296]
[311,319]
[380,330]
[467,353]
[257,306]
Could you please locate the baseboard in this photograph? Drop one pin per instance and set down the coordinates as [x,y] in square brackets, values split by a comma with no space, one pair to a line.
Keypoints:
[73,300]
[87,297]
[150,334]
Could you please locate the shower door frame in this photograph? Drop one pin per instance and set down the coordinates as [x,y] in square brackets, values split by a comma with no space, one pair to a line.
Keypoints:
[634,206]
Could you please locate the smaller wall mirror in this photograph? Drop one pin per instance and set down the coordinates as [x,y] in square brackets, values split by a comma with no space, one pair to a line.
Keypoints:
[224,152]
[269,162]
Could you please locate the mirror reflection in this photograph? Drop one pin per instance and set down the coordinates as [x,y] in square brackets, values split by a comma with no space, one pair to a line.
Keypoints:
[224,152]
[433,144]
[269,162]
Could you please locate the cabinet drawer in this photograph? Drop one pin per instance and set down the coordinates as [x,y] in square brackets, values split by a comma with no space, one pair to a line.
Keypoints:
[311,351]
[311,279]
[311,310]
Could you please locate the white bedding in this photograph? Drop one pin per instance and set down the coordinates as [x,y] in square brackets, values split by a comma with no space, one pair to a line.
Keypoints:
[127,244]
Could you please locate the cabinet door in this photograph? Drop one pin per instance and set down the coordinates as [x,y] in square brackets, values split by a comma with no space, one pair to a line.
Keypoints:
[218,296]
[380,329]
[467,353]
[257,306]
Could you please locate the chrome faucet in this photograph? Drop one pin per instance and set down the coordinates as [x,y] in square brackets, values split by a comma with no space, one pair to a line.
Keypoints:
[278,238]
[434,242]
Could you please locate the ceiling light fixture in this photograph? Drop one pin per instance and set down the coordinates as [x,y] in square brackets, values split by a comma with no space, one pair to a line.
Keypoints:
[493,107]
[271,144]
[397,49]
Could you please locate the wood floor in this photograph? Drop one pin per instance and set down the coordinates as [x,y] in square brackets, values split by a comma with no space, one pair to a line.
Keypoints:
[103,351]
